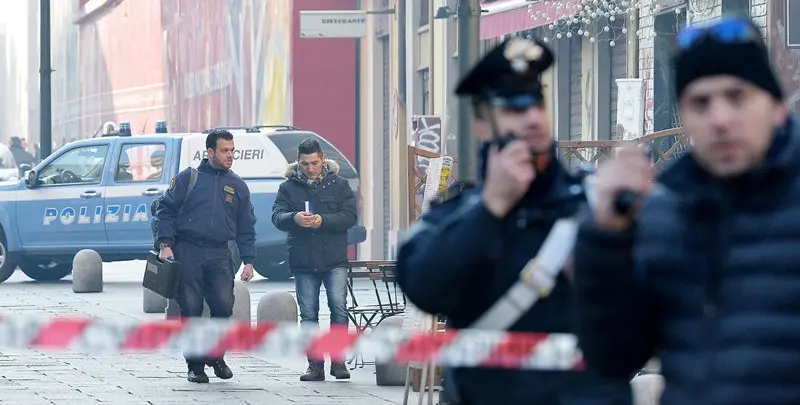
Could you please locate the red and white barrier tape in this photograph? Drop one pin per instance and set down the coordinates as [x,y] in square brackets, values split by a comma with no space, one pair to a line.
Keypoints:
[203,336]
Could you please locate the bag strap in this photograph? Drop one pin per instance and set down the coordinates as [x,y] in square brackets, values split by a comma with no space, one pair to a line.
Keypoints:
[189,188]
[192,182]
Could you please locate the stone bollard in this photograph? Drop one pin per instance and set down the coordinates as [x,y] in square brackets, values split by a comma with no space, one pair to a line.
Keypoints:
[174,310]
[647,389]
[152,303]
[87,272]
[277,307]
[391,374]
[241,302]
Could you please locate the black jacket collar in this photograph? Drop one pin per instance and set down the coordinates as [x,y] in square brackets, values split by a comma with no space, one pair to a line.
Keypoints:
[206,167]
[694,183]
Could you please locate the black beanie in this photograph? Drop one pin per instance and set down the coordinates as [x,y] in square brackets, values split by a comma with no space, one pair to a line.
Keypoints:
[710,57]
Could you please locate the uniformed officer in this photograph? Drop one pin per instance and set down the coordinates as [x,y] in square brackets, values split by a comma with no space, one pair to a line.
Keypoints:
[197,231]
[467,252]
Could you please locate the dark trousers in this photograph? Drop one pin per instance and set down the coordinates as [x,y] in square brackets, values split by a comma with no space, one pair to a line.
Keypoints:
[206,274]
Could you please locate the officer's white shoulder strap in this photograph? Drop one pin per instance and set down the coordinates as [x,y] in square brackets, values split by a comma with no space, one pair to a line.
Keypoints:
[538,278]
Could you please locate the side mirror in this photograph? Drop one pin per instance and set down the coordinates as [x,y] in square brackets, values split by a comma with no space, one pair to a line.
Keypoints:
[356,234]
[30,178]
[25,167]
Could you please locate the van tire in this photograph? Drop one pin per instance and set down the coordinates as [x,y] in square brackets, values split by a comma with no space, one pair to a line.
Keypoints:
[8,262]
[39,270]
[273,270]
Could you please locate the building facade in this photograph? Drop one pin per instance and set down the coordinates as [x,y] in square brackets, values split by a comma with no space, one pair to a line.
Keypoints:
[404,79]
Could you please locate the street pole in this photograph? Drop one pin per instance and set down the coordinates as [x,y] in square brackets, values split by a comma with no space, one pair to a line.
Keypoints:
[45,95]
[468,25]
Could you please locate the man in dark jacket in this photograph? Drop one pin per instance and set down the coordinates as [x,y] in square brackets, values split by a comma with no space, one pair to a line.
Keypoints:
[198,230]
[21,156]
[467,252]
[316,207]
[705,275]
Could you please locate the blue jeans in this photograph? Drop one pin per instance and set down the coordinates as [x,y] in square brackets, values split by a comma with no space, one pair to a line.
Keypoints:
[307,286]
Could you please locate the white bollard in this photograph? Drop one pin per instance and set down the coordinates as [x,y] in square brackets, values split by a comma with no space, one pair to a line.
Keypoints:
[277,307]
[87,272]
[174,310]
[647,389]
[152,303]
[241,302]
[391,374]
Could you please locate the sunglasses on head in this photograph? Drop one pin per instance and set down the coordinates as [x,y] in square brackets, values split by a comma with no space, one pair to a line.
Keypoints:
[727,31]
[519,102]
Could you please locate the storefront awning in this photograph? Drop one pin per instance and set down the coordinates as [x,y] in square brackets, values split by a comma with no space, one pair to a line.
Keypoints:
[510,16]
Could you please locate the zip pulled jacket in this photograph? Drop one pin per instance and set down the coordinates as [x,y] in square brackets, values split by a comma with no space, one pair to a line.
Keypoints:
[330,196]
[218,211]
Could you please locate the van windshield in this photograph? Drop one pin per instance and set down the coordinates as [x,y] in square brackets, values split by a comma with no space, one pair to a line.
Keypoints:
[287,143]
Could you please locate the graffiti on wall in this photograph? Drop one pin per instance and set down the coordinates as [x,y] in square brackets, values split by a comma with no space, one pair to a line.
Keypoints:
[426,134]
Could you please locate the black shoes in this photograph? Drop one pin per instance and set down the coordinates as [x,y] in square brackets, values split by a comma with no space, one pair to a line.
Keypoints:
[196,376]
[339,371]
[221,370]
[315,372]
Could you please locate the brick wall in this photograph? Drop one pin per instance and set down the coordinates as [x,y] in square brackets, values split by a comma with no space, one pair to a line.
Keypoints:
[758,10]
[646,63]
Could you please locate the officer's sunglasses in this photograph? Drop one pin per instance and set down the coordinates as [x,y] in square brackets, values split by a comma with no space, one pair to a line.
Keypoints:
[517,103]
[729,30]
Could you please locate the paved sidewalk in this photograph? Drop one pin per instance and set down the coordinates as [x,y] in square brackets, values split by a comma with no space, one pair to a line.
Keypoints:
[36,377]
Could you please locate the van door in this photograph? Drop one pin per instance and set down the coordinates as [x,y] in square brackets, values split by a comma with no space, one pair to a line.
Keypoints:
[68,201]
[139,176]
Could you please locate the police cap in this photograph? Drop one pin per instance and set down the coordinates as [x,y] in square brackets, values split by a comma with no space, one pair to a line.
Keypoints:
[509,69]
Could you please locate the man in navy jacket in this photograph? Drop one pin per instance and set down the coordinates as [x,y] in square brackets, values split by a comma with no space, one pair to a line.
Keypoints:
[704,272]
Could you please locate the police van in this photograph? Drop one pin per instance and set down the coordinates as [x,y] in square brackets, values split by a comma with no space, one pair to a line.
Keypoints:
[96,194]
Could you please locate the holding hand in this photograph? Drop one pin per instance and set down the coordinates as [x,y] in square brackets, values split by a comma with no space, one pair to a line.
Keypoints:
[304,219]
[509,173]
[317,222]
[247,273]
[630,171]
[166,253]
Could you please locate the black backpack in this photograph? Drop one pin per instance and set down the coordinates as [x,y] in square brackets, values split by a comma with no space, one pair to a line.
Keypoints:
[157,201]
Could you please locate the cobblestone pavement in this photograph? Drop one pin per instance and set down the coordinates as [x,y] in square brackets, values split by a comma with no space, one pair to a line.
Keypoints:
[36,377]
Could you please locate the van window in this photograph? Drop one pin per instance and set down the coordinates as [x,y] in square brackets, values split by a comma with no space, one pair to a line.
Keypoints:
[140,162]
[255,157]
[287,143]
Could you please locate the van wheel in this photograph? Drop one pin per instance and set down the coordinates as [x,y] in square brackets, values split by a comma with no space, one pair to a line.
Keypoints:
[8,263]
[44,270]
[273,269]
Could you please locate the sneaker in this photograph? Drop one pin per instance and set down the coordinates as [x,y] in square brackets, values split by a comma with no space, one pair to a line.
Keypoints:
[221,370]
[339,370]
[315,372]
[195,376]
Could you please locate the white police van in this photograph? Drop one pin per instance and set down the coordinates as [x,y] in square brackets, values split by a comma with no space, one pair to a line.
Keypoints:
[96,194]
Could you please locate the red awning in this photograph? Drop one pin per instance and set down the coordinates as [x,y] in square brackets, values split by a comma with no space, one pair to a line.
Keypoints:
[510,16]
